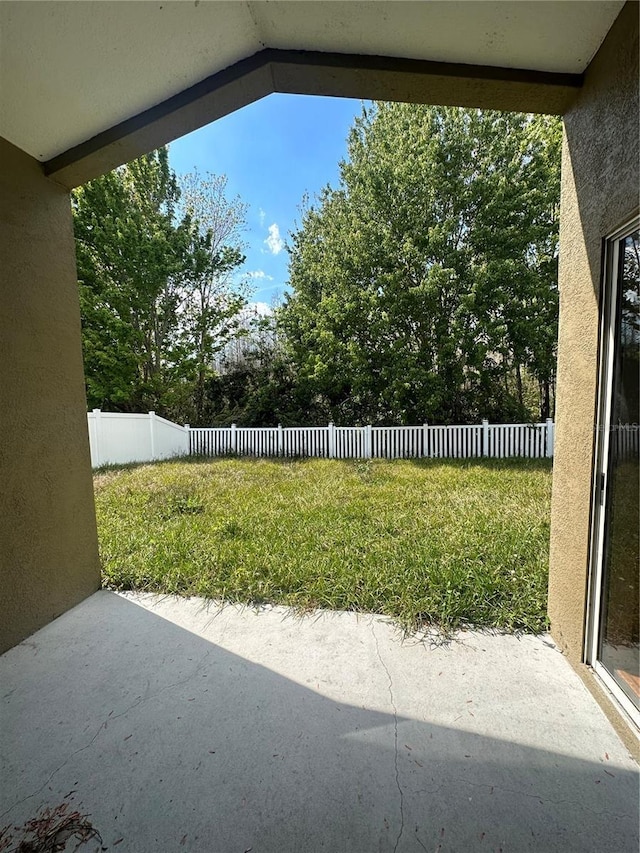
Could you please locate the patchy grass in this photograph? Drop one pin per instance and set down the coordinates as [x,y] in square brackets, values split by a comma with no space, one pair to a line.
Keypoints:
[426,542]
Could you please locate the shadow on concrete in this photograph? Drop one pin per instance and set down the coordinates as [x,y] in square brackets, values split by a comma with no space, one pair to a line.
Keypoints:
[173,743]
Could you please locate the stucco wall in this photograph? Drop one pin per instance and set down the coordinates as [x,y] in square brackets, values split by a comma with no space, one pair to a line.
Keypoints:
[48,544]
[600,186]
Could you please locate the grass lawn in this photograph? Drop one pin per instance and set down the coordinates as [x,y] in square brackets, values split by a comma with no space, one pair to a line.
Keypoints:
[444,543]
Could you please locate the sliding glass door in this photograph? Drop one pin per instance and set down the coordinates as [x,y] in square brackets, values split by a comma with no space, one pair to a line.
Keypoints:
[614,641]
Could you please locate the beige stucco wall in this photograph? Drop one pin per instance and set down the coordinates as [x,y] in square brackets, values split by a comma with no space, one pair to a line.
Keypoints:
[48,544]
[600,186]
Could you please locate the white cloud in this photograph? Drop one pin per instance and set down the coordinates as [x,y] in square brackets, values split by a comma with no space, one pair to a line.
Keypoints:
[261,308]
[252,310]
[260,275]
[261,215]
[274,241]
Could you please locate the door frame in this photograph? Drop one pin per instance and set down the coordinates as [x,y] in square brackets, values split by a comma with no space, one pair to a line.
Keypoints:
[600,479]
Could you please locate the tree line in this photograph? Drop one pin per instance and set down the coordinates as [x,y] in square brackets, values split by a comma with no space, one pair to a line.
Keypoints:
[423,288]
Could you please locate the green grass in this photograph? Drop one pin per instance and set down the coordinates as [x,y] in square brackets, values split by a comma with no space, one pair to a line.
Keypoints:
[427,542]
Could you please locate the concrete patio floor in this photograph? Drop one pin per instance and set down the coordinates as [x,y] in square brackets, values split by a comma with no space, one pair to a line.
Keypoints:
[178,726]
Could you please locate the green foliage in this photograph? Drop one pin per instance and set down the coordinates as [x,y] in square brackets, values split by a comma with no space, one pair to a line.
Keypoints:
[425,542]
[154,266]
[260,386]
[425,285]
[262,392]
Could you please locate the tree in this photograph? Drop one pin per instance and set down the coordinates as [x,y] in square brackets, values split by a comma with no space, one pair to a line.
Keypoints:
[213,303]
[424,285]
[256,383]
[515,241]
[127,258]
[156,291]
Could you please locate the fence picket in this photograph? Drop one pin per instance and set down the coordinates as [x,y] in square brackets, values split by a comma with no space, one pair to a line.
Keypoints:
[497,441]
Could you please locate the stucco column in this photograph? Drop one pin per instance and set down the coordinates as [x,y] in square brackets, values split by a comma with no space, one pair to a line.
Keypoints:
[48,542]
[600,182]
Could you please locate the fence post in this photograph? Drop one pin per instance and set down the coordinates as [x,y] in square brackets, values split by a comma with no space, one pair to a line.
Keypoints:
[332,441]
[152,433]
[485,438]
[368,448]
[97,435]
[425,439]
[234,439]
[280,441]
[187,429]
[550,438]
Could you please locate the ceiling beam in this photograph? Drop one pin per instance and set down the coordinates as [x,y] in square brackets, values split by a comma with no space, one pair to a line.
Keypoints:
[385,78]
[313,73]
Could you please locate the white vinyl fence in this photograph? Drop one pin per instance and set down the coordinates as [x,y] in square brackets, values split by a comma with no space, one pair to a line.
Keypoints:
[119,438]
[626,440]
[366,442]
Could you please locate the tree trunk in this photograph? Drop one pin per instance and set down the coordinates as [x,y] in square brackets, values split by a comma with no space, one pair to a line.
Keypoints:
[519,384]
[545,400]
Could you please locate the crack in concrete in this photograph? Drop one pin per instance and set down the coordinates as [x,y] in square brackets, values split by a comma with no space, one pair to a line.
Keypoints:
[103,725]
[395,735]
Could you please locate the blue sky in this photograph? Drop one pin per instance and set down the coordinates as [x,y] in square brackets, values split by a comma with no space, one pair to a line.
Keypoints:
[272,152]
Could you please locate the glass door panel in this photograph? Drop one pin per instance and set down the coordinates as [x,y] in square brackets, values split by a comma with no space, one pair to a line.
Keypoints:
[619,635]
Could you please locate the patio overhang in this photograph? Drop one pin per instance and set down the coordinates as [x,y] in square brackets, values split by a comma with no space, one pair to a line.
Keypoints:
[85,88]
[314,73]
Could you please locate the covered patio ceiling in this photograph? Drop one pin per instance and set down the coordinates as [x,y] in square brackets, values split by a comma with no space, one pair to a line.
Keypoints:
[87,86]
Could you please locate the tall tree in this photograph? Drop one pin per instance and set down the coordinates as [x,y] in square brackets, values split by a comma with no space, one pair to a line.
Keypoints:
[214,225]
[424,285]
[128,258]
[155,289]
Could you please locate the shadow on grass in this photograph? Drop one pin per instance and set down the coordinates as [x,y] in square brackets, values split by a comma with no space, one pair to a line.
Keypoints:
[480,463]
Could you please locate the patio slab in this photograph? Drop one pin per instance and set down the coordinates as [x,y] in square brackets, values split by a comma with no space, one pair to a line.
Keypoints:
[177,726]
